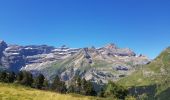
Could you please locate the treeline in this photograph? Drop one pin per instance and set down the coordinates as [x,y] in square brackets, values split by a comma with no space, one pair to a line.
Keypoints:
[76,85]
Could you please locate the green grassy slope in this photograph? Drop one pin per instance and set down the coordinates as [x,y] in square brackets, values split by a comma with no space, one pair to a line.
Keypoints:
[156,73]
[17,92]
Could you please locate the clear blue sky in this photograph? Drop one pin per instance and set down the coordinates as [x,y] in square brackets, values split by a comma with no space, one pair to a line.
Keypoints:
[142,25]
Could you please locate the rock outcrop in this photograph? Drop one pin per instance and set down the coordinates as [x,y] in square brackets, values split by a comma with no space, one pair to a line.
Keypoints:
[113,50]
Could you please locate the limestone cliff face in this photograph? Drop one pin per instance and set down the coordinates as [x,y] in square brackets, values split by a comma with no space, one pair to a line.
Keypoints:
[96,64]
[92,64]
[14,57]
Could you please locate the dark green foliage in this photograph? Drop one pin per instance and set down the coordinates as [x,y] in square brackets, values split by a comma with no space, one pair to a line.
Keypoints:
[101,93]
[71,89]
[7,77]
[55,83]
[46,84]
[89,90]
[77,85]
[25,78]
[62,88]
[20,76]
[115,90]
[3,76]
[39,81]
[11,77]
[78,81]
[58,85]
[81,86]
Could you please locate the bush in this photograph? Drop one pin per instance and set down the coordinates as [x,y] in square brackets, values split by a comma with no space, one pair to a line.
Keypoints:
[115,91]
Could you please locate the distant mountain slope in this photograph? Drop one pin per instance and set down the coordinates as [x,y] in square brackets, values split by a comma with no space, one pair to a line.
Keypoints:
[96,64]
[156,73]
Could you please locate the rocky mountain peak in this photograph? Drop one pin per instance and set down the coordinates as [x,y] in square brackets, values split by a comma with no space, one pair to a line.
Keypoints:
[64,47]
[111,46]
[3,45]
[1,41]
[86,53]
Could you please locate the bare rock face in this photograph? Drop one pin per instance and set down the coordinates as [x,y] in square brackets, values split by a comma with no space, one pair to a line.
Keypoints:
[14,57]
[91,64]
[85,52]
[35,50]
[113,50]
[95,64]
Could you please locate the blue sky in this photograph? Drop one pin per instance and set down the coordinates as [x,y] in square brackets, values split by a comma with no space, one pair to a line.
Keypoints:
[142,25]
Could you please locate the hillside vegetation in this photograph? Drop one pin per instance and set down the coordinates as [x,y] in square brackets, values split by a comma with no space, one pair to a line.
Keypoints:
[153,79]
[17,92]
[78,87]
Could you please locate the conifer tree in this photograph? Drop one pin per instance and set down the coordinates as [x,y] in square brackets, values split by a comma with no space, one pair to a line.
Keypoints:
[39,80]
[25,78]
[11,77]
[58,85]
[3,76]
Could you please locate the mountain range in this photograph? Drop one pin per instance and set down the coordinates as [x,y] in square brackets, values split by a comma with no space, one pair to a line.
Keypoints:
[96,64]
[146,79]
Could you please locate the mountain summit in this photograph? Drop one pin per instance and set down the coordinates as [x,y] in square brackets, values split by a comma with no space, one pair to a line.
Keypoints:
[111,46]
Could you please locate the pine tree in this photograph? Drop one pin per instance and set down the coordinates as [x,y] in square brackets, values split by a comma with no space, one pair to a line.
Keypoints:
[83,86]
[78,81]
[55,83]
[78,85]
[25,78]
[71,89]
[58,85]
[20,76]
[89,89]
[8,77]
[101,93]
[3,76]
[63,88]
[46,84]
[11,77]
[39,80]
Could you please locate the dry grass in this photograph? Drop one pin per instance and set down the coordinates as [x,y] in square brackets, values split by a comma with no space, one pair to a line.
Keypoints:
[17,92]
